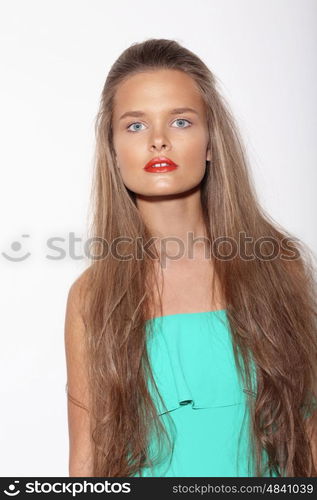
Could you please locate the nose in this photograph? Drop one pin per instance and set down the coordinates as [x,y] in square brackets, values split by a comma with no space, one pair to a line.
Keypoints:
[158,147]
[159,141]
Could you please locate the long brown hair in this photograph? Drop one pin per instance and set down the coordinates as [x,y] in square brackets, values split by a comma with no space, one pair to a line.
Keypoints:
[270,302]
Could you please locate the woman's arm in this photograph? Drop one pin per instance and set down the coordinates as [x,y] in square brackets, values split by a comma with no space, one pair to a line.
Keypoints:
[80,444]
[312,434]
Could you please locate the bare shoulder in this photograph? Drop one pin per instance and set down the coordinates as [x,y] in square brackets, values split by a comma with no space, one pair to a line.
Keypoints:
[79,291]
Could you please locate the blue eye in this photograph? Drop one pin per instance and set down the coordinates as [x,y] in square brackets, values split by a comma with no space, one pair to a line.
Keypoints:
[135,123]
[182,120]
[139,123]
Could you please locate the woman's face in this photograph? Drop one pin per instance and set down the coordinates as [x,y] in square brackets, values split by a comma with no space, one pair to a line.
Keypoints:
[158,131]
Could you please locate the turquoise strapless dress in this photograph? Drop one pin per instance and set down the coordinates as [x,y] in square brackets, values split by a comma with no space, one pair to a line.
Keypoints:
[192,360]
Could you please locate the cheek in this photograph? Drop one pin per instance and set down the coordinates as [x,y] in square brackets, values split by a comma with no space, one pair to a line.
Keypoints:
[131,171]
[196,154]
[120,143]
[129,151]
[195,144]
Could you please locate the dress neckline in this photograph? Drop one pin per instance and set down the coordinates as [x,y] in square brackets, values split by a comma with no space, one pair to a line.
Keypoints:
[185,314]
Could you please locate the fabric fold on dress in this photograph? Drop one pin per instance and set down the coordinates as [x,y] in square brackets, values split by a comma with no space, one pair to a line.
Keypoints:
[192,360]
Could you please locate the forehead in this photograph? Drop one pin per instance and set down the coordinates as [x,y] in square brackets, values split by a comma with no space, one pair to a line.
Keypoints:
[154,90]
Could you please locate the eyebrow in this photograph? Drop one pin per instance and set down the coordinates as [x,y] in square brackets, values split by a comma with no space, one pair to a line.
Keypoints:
[175,111]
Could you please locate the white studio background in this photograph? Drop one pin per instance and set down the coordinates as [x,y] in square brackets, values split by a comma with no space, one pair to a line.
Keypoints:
[55,56]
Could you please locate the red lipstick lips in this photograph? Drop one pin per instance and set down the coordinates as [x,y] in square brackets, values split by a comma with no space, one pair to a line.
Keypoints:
[160,164]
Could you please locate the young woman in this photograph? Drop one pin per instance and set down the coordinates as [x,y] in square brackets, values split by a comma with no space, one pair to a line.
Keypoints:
[191,339]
